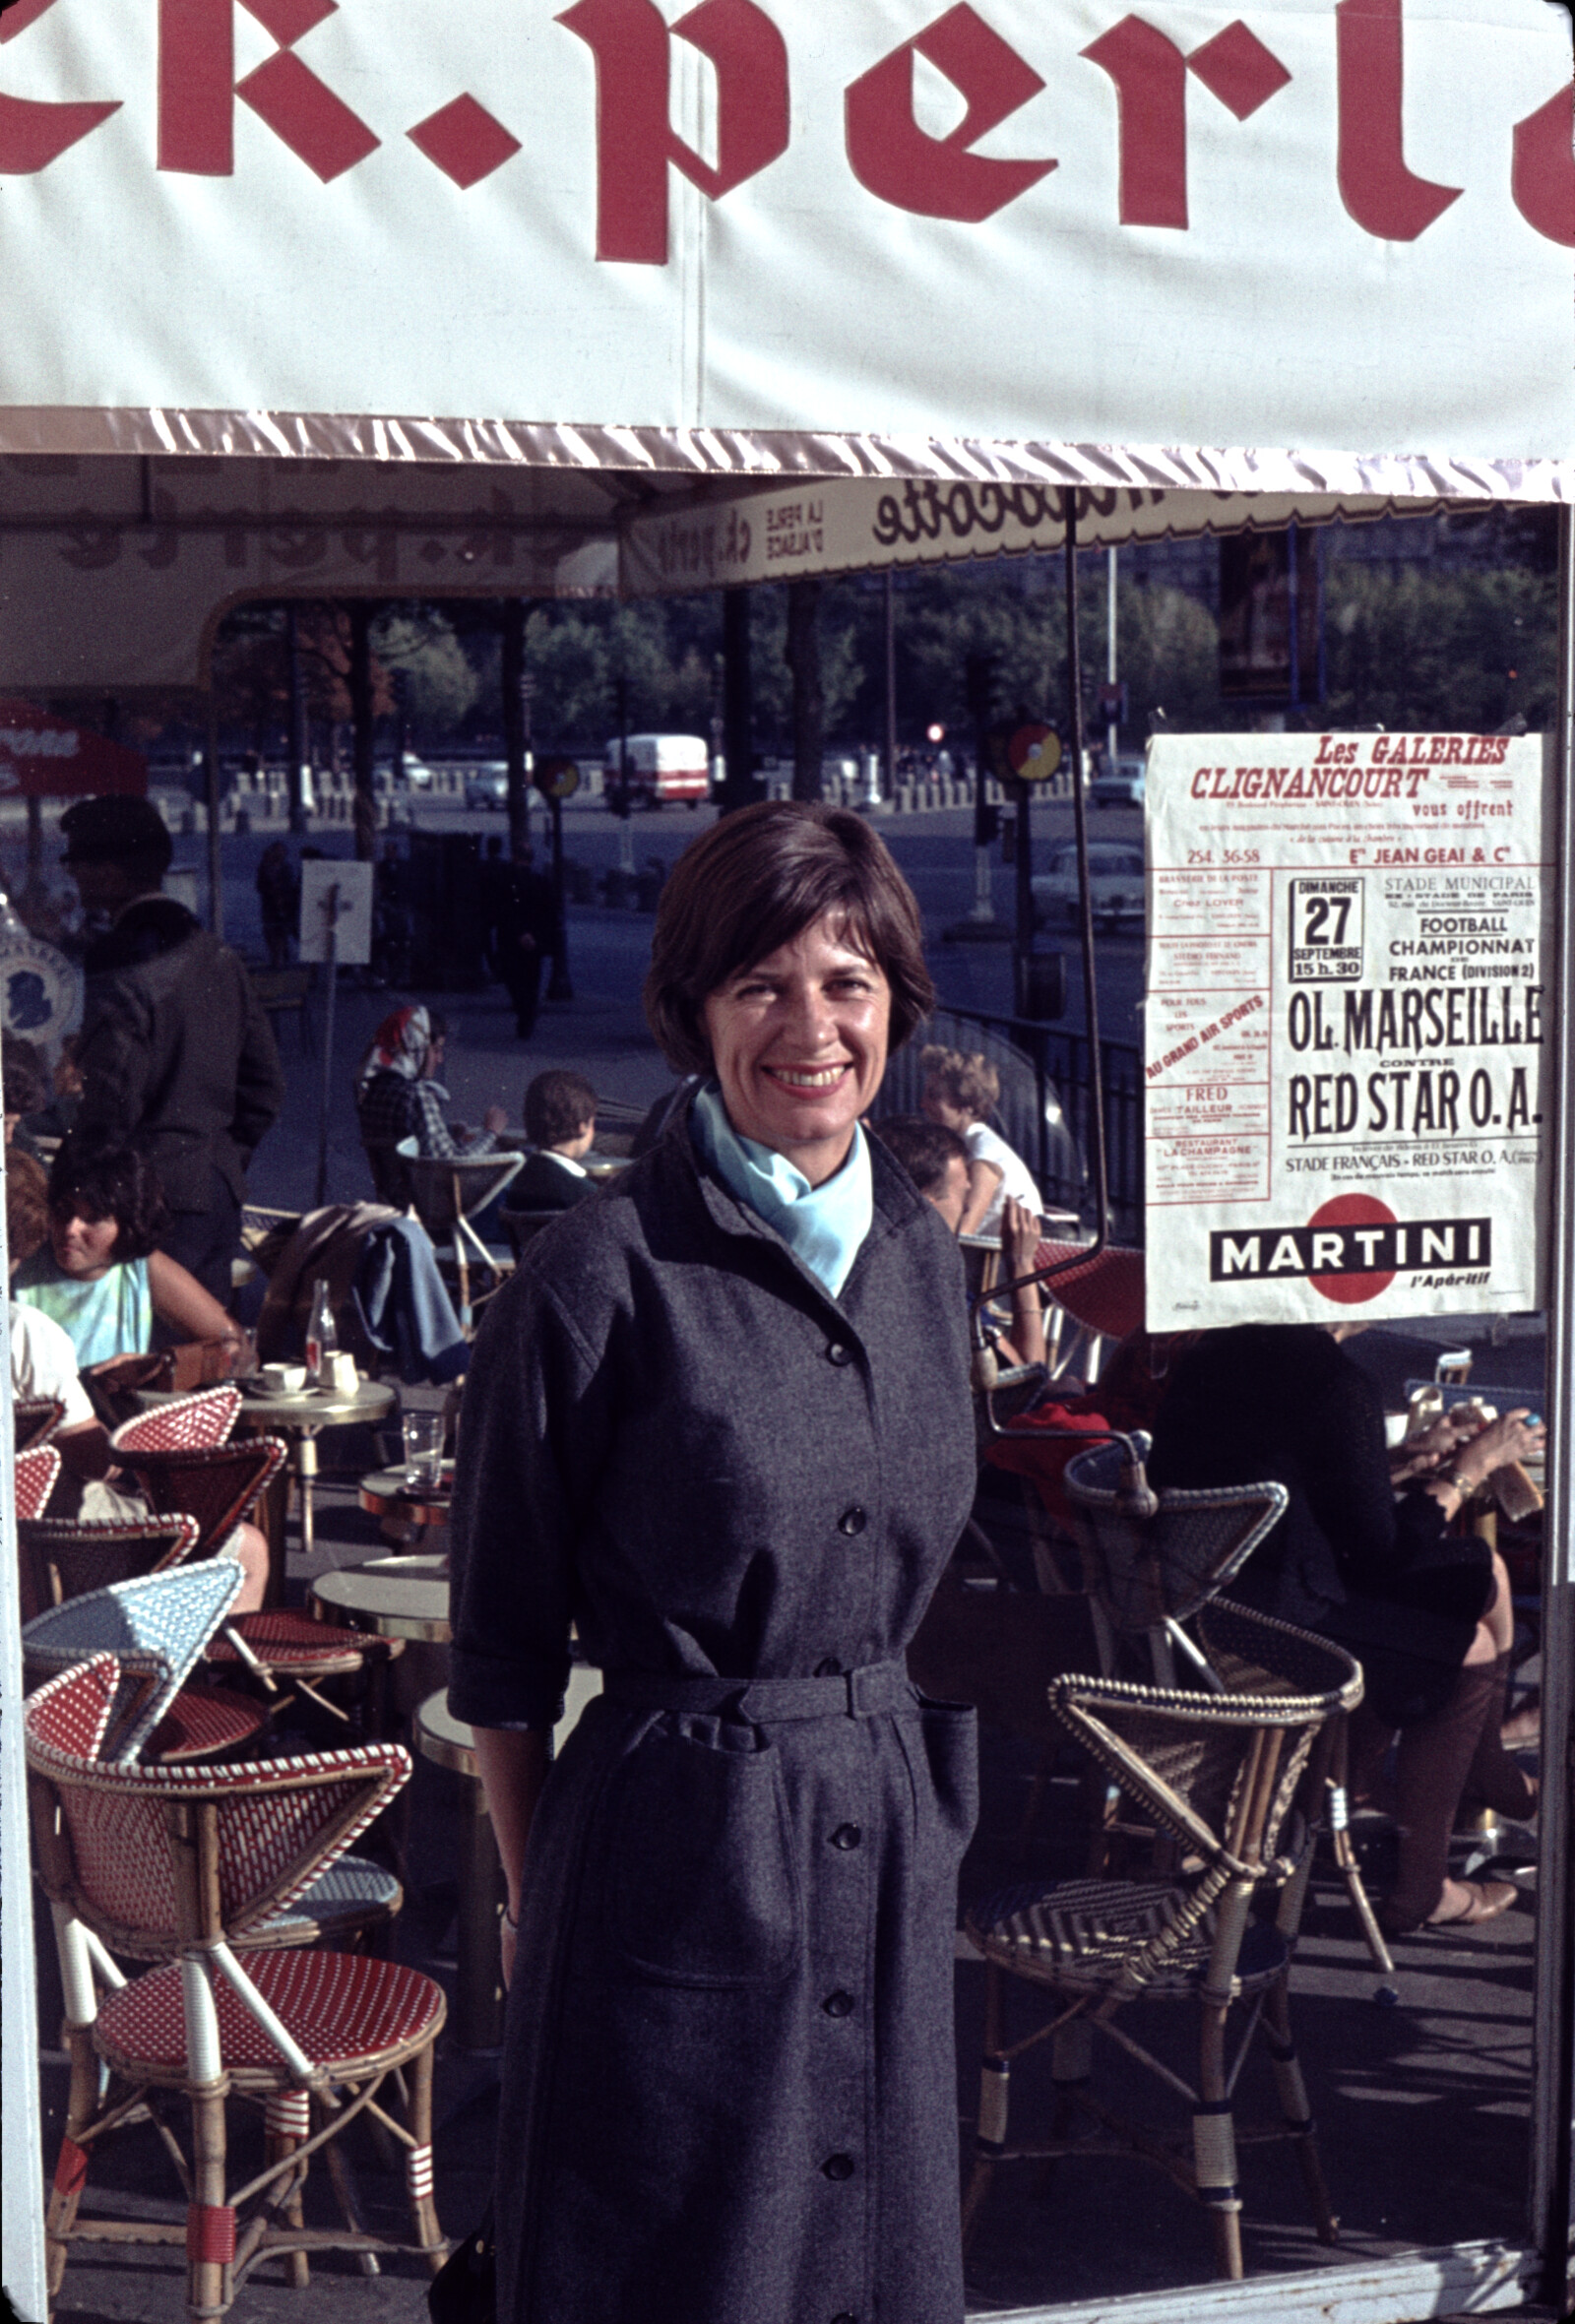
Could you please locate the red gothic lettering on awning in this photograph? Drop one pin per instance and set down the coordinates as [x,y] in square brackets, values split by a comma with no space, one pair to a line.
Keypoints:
[1150,73]
[197,89]
[1543,178]
[635,138]
[32,134]
[937,176]
[1382,195]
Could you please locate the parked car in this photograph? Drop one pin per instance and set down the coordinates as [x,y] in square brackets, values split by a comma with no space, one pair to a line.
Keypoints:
[1121,785]
[1116,883]
[488,785]
[662,767]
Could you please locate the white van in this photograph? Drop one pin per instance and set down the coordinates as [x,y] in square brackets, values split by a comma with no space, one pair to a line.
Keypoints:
[662,767]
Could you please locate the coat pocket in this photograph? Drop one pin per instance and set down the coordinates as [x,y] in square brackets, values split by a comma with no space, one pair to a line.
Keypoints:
[951,1762]
[703,1888]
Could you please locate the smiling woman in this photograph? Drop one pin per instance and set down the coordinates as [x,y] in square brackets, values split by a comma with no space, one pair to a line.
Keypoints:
[721,1421]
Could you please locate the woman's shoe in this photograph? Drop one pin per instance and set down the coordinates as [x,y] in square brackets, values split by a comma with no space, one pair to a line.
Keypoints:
[1464,1904]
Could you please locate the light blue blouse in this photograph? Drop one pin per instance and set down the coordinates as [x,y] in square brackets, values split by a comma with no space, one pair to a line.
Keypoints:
[823,1225]
[113,1316]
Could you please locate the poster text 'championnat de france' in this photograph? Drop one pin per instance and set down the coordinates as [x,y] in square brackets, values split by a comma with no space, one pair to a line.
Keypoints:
[1349,944]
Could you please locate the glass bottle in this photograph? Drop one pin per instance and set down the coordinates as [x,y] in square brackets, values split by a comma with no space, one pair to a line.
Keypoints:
[322,1339]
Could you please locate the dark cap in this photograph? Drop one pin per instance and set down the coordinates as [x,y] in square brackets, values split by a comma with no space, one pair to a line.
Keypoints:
[108,830]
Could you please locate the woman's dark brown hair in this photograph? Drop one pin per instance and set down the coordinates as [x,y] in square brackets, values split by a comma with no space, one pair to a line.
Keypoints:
[90,1180]
[26,1206]
[755,881]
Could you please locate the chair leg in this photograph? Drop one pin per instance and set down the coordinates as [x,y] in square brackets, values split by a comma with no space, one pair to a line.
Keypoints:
[1213,2144]
[70,2165]
[287,2123]
[419,2159]
[995,2095]
[1292,2092]
[210,2220]
[1346,1855]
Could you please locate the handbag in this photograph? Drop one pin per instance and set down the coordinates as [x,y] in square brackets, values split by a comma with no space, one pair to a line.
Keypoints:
[465,2290]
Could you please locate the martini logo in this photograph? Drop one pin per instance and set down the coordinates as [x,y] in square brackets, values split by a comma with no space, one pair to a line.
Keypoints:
[1352,1249]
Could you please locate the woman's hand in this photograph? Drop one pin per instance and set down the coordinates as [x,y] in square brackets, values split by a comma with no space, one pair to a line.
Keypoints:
[1434,1445]
[495,1120]
[1513,1437]
[1021,1234]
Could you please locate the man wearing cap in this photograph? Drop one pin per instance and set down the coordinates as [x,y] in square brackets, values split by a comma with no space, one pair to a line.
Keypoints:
[177,1055]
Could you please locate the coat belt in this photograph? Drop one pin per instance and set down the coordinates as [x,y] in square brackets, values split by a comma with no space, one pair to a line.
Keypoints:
[851,1694]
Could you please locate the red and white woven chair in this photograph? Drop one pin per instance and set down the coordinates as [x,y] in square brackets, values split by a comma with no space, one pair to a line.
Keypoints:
[185,1425]
[215,1480]
[183,1866]
[35,1474]
[65,1557]
[34,1419]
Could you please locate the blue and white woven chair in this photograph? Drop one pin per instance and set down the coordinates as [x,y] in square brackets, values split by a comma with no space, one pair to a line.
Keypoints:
[159,1625]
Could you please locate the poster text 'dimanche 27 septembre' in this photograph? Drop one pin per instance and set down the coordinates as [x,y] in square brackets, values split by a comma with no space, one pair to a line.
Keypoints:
[1349,944]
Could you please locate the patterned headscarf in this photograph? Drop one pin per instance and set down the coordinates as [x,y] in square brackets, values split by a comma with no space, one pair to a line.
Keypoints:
[399,1046]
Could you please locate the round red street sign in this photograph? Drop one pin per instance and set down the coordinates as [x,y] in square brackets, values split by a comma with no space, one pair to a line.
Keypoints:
[1035,753]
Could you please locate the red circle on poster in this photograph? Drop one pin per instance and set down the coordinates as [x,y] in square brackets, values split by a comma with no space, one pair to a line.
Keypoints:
[1350,1286]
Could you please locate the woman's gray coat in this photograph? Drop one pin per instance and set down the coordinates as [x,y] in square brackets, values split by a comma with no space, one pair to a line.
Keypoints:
[730,2094]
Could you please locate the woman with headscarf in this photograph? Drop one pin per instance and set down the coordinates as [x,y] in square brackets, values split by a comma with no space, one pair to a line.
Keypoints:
[398,1096]
[720,1422]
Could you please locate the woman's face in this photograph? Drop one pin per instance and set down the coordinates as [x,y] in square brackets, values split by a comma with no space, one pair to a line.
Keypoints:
[799,1045]
[83,1247]
[943,1108]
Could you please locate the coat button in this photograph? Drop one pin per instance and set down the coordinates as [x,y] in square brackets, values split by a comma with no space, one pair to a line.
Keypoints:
[844,2317]
[851,1521]
[847,1836]
[838,1355]
[838,2167]
[837,2004]
[828,1668]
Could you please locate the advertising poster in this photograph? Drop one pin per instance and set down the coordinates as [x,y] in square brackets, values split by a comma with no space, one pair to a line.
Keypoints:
[1350,938]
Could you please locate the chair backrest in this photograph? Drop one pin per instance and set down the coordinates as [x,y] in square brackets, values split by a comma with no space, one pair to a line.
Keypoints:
[62,1557]
[259,1832]
[35,1475]
[523,1226]
[186,1422]
[444,1190]
[34,1418]
[1105,1293]
[1146,1570]
[1219,1769]
[114,1384]
[215,1483]
[156,1625]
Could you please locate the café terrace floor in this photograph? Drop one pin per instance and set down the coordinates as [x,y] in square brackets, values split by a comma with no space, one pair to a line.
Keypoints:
[1422,2105]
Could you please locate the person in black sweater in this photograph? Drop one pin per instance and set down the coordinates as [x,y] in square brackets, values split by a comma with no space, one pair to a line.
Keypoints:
[1425,1611]
[560,1121]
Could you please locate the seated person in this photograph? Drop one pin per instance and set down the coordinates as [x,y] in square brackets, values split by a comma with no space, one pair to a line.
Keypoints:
[398,1096]
[959,1091]
[100,1275]
[937,1161]
[560,1121]
[1427,1613]
[43,1363]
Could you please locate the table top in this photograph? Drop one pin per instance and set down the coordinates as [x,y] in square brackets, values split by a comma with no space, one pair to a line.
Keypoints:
[399,1596]
[385,1493]
[318,1408]
[440,1736]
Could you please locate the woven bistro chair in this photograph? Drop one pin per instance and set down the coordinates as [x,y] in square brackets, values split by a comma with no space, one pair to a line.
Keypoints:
[158,1625]
[208,1416]
[1152,1574]
[1218,1771]
[34,1476]
[34,1419]
[216,1483]
[183,1866]
[447,1195]
[65,1557]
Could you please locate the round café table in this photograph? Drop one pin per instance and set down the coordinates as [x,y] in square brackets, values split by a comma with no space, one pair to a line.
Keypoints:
[397,1597]
[386,1493]
[478,1982]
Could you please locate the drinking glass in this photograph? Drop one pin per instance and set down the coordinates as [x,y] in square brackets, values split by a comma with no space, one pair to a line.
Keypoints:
[423,1451]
